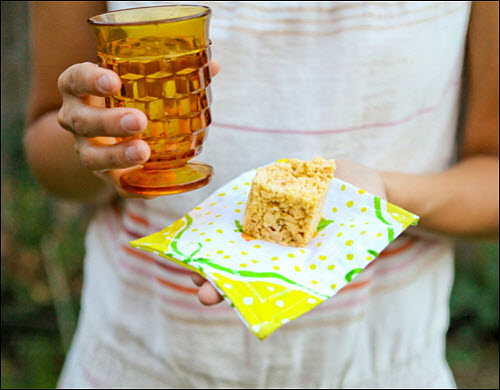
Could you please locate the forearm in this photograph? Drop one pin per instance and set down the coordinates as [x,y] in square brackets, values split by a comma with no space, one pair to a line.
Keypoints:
[52,158]
[462,201]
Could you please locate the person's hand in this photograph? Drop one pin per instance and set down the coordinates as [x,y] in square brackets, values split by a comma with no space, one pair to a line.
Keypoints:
[83,88]
[361,176]
[351,172]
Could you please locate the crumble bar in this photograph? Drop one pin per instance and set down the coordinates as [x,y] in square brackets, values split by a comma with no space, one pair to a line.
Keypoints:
[286,201]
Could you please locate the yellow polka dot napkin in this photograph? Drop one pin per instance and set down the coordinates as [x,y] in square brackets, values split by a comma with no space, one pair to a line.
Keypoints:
[268,284]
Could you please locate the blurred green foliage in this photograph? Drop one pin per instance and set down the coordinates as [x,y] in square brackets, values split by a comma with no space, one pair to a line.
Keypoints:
[472,348]
[42,253]
[474,301]
[42,260]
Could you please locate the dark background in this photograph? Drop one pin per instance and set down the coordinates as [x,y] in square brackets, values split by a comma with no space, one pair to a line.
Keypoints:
[42,252]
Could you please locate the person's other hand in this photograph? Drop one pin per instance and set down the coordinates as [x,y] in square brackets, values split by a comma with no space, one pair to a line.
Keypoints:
[361,176]
[83,113]
[351,172]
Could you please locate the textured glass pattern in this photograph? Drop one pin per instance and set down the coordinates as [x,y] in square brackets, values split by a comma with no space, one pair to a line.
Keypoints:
[173,92]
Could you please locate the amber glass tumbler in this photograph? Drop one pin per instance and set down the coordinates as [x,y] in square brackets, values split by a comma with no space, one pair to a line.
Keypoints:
[162,56]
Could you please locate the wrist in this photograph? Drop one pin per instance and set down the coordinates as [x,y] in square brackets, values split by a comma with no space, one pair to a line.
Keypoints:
[461,201]
[50,154]
[408,191]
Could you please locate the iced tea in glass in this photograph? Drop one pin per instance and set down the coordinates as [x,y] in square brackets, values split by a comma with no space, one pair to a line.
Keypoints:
[162,56]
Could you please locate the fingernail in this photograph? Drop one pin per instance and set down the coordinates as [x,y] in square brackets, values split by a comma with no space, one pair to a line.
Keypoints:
[130,123]
[104,84]
[133,153]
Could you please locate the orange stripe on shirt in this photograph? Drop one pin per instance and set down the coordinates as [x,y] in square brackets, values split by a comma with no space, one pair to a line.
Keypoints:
[137,253]
[137,218]
[354,285]
[177,287]
[400,249]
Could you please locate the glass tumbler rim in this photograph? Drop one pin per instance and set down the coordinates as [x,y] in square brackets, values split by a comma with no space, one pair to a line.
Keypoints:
[92,20]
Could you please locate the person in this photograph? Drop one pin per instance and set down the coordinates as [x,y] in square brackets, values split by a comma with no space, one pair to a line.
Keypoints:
[375,85]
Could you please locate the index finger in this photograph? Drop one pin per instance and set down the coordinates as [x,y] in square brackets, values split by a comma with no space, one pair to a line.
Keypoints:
[88,79]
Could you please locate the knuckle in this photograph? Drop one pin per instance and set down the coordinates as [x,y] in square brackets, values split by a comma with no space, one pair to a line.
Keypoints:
[70,81]
[89,65]
[79,123]
[60,81]
[116,158]
[113,158]
[72,78]
[62,119]
[63,82]
[65,79]
[86,156]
